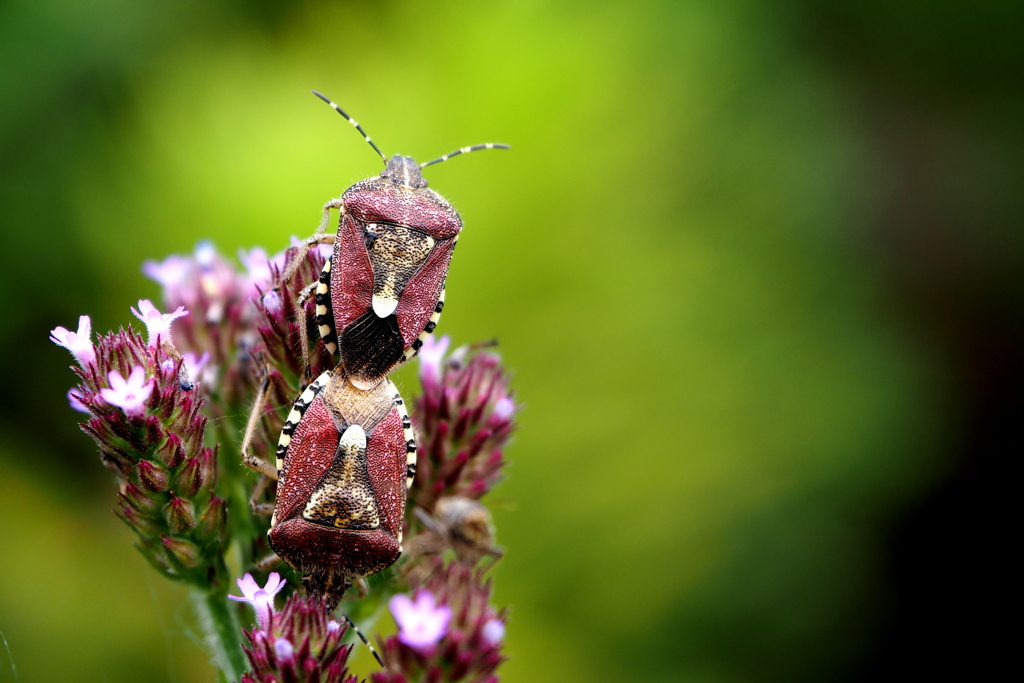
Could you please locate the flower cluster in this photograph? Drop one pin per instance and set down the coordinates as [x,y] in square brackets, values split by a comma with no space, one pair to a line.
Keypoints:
[285,321]
[216,295]
[144,415]
[246,326]
[299,644]
[164,405]
[463,420]
[447,631]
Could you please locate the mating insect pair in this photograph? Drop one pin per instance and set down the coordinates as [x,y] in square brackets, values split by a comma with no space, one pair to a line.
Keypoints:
[347,453]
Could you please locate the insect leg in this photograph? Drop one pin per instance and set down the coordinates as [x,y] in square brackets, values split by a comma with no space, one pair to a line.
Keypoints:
[257,506]
[250,460]
[320,237]
[268,562]
[326,219]
[300,303]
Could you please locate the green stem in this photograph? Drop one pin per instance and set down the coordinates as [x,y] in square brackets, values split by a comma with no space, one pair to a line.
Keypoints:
[222,633]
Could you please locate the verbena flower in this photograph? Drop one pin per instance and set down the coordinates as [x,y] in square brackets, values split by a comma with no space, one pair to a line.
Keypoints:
[78,343]
[493,631]
[158,325]
[170,273]
[431,356]
[463,419]
[131,394]
[299,645]
[469,649]
[221,314]
[261,599]
[76,402]
[259,269]
[147,404]
[421,621]
[279,318]
[150,431]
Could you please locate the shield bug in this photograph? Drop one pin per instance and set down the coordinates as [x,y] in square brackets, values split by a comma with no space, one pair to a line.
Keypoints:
[345,459]
[382,291]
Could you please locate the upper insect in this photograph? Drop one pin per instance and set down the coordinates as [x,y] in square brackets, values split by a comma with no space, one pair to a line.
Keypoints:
[382,291]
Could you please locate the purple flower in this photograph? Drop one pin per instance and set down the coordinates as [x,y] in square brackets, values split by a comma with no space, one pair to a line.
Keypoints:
[261,599]
[272,302]
[284,650]
[78,343]
[206,255]
[129,395]
[158,325]
[192,370]
[421,622]
[258,266]
[493,631]
[504,409]
[197,367]
[431,359]
[76,402]
[170,273]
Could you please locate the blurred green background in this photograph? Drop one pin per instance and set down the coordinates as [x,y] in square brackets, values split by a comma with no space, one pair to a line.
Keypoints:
[756,266]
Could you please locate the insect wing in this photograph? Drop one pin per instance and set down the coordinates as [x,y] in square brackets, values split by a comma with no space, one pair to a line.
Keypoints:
[308,455]
[418,309]
[386,463]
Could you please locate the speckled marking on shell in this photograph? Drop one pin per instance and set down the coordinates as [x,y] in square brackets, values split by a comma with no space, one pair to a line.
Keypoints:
[345,498]
[396,252]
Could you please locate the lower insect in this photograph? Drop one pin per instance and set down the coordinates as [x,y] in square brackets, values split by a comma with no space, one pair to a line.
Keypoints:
[345,459]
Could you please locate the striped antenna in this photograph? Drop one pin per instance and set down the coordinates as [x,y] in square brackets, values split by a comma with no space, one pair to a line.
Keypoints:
[466,150]
[358,127]
[363,638]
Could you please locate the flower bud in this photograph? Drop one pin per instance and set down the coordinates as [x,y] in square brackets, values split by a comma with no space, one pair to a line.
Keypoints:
[208,465]
[214,518]
[144,525]
[139,499]
[171,452]
[180,551]
[189,478]
[284,650]
[153,477]
[181,515]
[272,303]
